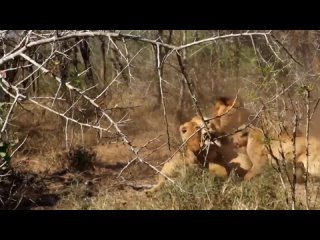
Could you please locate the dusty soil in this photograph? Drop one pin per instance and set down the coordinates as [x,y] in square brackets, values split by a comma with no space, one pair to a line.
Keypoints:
[49,173]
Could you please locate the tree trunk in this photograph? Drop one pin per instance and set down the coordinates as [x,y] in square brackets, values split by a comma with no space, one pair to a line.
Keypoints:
[85,53]
[117,64]
[104,59]
[237,64]
[181,102]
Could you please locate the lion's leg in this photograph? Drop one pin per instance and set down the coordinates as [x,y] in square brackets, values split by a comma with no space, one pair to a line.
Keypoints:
[218,170]
[241,164]
[169,169]
[256,169]
[258,157]
[156,187]
[259,161]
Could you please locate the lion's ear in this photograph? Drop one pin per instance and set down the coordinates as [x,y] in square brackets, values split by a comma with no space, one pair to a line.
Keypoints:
[230,102]
[238,102]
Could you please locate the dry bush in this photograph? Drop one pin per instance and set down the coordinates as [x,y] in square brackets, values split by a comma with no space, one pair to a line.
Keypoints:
[202,192]
[206,192]
[81,159]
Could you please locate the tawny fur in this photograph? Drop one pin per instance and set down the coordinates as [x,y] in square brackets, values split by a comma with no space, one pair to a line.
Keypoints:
[251,143]
[232,116]
[220,159]
[260,156]
[232,112]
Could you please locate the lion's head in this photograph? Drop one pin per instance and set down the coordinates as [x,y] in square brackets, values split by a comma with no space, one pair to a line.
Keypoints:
[200,141]
[229,113]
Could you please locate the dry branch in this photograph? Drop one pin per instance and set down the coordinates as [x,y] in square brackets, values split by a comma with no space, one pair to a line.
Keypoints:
[93,103]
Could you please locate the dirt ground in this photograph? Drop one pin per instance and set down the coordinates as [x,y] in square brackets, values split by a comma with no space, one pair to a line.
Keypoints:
[88,167]
[79,177]
[103,175]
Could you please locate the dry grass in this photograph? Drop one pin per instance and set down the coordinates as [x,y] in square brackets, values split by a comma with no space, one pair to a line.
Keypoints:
[206,192]
[202,192]
[44,153]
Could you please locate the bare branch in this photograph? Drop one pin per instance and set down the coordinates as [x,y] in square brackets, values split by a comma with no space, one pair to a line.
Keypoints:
[19,146]
[92,102]
[15,52]
[308,118]
[286,50]
[159,67]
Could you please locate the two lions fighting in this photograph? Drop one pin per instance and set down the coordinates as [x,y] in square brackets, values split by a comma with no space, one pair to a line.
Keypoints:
[211,144]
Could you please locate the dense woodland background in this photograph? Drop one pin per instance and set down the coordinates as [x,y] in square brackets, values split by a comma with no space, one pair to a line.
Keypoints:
[87,117]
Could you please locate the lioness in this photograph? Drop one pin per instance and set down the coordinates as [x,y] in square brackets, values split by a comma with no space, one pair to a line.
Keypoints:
[221,157]
[194,154]
[217,155]
[262,150]
[229,114]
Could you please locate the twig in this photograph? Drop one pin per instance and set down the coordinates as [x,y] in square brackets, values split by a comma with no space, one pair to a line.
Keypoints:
[87,34]
[19,146]
[53,111]
[315,108]
[294,162]
[269,45]
[10,110]
[159,67]
[99,95]
[286,50]
[66,132]
[255,52]
[307,91]
[112,122]
[294,136]
[188,83]
[134,159]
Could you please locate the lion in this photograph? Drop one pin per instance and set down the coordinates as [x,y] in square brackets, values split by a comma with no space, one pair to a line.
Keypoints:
[240,140]
[191,131]
[205,150]
[233,116]
[174,167]
[251,143]
[264,150]
[221,157]
[232,113]
[216,155]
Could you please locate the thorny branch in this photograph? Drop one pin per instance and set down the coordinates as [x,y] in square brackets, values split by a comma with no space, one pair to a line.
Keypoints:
[131,161]
[286,50]
[308,118]
[92,102]
[33,39]
[160,74]
[294,138]
[85,34]
[189,85]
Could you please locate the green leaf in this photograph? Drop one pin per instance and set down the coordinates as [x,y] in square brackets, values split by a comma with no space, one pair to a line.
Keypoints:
[4,147]
[7,158]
